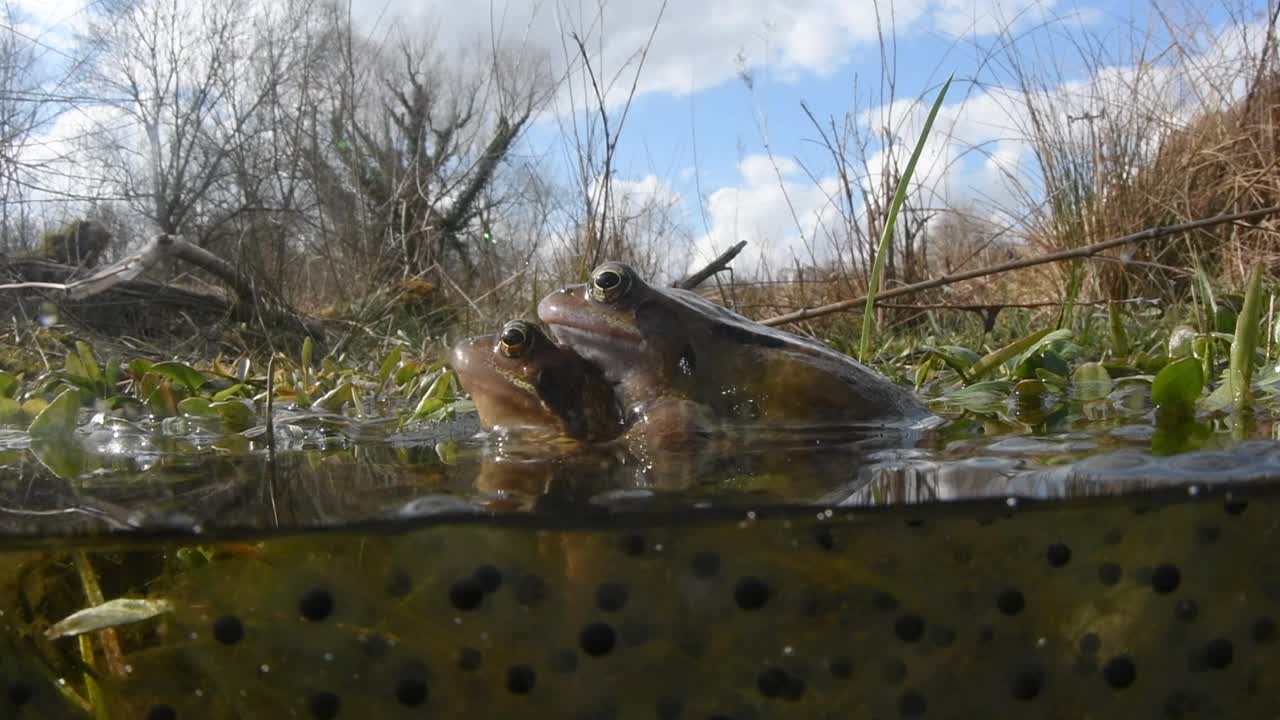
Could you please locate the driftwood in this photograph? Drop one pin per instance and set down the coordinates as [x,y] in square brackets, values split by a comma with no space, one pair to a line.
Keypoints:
[1086,251]
[116,297]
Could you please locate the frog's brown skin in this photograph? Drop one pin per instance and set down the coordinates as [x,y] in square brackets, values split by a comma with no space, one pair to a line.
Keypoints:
[657,345]
[522,382]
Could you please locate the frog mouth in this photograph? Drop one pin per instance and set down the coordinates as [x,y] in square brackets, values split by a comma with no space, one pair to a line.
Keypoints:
[571,324]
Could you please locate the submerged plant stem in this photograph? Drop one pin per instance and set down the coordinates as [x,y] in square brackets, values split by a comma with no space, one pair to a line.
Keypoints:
[110,644]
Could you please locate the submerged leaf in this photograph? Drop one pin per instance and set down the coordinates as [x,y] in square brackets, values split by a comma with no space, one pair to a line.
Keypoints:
[120,611]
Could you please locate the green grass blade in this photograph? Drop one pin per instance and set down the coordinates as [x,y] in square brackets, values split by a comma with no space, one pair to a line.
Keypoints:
[1119,338]
[1245,343]
[886,236]
[1074,284]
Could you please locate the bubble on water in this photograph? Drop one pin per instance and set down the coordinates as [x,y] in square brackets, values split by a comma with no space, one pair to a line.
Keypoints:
[176,426]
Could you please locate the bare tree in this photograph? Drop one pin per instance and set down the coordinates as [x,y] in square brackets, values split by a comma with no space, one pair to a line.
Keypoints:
[416,141]
[183,73]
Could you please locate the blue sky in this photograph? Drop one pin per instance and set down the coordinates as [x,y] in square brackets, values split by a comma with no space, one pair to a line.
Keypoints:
[720,119]
[691,98]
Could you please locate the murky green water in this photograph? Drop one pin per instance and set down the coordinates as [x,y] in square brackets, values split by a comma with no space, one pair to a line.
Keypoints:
[1083,570]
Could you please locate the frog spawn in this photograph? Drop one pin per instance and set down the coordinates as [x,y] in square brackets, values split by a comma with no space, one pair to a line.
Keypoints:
[1161,608]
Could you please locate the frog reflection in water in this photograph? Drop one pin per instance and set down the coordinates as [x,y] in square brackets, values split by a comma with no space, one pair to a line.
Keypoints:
[661,347]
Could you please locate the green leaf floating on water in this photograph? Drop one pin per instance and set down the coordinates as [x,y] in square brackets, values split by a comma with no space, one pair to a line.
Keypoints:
[336,398]
[228,393]
[996,358]
[10,409]
[197,406]
[957,358]
[8,384]
[1092,381]
[59,418]
[64,457]
[179,372]
[1178,386]
[237,415]
[112,613]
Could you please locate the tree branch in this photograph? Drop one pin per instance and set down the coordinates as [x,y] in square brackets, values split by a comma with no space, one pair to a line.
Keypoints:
[1086,251]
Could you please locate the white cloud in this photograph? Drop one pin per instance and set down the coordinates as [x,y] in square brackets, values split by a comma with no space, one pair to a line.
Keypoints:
[979,149]
[760,212]
[649,190]
[697,44]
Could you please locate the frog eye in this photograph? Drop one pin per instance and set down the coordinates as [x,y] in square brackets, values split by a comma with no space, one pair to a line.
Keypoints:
[515,339]
[610,282]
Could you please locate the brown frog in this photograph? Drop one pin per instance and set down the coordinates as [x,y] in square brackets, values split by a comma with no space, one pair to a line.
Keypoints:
[664,346]
[564,436]
[523,382]
[564,421]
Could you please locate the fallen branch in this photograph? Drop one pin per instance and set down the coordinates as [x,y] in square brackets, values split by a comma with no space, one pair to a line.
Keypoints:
[250,298]
[1086,251]
[983,307]
[713,267]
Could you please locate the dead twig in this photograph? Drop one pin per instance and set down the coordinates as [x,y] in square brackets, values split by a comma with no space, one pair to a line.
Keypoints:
[713,267]
[1086,251]
[981,307]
